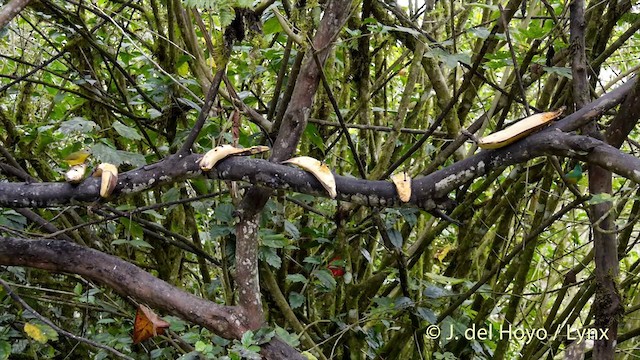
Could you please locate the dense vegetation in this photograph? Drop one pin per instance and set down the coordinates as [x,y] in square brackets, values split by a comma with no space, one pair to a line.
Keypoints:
[513,253]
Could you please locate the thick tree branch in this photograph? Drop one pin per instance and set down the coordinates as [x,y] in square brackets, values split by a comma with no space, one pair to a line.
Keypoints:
[293,124]
[129,280]
[10,10]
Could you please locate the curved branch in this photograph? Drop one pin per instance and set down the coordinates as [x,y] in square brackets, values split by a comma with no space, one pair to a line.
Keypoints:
[129,280]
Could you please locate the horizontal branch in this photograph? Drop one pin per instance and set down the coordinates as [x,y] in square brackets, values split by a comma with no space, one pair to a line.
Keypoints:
[428,192]
[129,280]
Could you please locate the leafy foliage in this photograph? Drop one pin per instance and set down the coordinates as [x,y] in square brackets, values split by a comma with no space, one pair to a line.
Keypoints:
[126,82]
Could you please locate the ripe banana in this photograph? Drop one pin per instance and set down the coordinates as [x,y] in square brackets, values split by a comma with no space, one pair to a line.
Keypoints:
[76,173]
[109,178]
[317,169]
[518,130]
[211,158]
[402,181]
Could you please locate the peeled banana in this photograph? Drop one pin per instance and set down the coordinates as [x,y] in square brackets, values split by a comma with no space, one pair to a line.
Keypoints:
[109,178]
[211,158]
[402,181]
[518,130]
[319,170]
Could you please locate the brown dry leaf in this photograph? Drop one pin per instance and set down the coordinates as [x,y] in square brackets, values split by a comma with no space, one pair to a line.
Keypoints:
[147,324]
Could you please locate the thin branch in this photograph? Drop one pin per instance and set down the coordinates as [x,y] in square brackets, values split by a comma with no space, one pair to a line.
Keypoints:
[204,113]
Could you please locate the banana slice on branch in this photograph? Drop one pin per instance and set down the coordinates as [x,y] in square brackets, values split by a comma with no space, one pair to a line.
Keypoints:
[76,173]
[518,130]
[109,178]
[319,170]
[211,158]
[402,181]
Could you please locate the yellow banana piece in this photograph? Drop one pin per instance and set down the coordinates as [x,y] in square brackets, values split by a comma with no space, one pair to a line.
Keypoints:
[319,170]
[77,158]
[211,158]
[402,181]
[109,178]
[76,173]
[518,130]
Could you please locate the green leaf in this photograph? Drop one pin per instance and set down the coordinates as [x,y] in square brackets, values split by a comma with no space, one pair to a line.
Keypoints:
[600,198]
[290,339]
[395,237]
[5,350]
[316,260]
[311,132]
[106,154]
[11,219]
[480,32]
[296,278]
[270,255]
[292,230]
[247,338]
[126,131]
[560,71]
[78,124]
[224,213]
[296,300]
[171,195]
[272,26]
[427,314]
[434,292]
[277,241]
[326,279]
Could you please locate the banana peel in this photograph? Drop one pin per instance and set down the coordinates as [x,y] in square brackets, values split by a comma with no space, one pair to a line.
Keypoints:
[518,130]
[109,178]
[76,173]
[402,181]
[319,170]
[211,158]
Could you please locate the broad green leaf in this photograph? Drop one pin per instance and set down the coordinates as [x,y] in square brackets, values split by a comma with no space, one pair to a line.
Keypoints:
[78,124]
[427,314]
[434,292]
[395,237]
[296,300]
[311,132]
[5,350]
[294,278]
[326,279]
[560,71]
[292,230]
[600,198]
[126,131]
[171,195]
[480,32]
[106,154]
[269,255]
[224,213]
